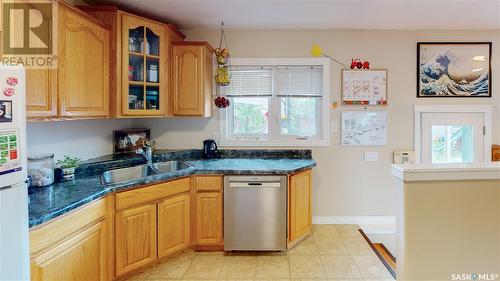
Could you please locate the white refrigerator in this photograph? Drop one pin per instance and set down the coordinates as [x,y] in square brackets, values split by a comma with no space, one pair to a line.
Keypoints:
[14,241]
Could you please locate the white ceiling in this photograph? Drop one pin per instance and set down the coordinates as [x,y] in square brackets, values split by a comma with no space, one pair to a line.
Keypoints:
[323,14]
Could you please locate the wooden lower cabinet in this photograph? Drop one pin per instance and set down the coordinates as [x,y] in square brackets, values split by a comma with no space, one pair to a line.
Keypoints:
[77,246]
[208,210]
[150,223]
[209,218]
[174,219]
[299,205]
[135,238]
[82,257]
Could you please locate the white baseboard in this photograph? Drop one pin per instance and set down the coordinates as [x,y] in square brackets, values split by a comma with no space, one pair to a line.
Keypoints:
[369,224]
[355,220]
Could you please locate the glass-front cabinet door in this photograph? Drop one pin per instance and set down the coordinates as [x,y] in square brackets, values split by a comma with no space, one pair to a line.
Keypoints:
[143,67]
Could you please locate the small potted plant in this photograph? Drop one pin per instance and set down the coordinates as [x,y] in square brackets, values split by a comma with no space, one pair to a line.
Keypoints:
[68,166]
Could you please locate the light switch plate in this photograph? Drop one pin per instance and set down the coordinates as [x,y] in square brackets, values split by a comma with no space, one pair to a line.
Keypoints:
[333,128]
[371,156]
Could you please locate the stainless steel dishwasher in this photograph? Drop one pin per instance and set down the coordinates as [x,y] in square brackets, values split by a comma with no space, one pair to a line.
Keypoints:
[255,213]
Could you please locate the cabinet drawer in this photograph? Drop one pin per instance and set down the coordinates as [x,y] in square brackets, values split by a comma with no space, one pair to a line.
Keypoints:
[208,183]
[151,193]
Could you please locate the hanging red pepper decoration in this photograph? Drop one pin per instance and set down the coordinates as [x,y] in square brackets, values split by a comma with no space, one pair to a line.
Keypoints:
[221,102]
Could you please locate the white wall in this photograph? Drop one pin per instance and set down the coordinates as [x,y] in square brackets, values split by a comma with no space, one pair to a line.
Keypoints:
[344,185]
[85,139]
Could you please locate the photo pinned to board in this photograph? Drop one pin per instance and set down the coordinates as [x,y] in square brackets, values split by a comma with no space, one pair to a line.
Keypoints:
[364,87]
[5,111]
[364,128]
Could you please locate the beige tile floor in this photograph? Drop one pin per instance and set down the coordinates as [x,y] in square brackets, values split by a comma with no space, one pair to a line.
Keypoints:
[332,253]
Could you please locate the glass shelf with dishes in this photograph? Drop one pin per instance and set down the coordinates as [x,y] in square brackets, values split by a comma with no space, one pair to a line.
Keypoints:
[144,55]
[152,97]
[136,97]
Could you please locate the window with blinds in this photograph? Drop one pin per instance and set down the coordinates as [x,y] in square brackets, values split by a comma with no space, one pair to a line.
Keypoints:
[299,81]
[282,104]
[249,81]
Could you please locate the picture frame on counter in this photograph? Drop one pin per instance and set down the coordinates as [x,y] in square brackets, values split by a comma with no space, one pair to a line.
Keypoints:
[124,140]
[454,69]
[364,87]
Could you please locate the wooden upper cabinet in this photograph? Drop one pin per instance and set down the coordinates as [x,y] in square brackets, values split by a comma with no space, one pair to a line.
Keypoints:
[41,88]
[41,93]
[144,75]
[135,238]
[300,205]
[174,221]
[140,80]
[83,73]
[82,257]
[79,87]
[192,78]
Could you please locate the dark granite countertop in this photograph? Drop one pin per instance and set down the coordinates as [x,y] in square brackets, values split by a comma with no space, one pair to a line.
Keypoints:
[47,203]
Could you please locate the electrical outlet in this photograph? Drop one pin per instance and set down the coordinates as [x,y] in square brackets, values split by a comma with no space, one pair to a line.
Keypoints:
[371,156]
[333,127]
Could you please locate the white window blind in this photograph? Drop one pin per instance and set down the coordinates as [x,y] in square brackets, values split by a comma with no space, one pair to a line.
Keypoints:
[299,81]
[249,81]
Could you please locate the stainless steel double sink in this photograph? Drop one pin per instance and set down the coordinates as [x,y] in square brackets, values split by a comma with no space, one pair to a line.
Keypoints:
[142,171]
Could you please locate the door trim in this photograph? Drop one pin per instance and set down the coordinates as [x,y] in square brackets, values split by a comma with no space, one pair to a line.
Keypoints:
[421,109]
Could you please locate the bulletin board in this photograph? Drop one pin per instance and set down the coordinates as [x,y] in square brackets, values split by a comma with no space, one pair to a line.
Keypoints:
[364,87]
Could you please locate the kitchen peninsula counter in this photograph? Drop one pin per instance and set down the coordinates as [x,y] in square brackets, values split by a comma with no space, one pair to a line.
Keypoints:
[448,221]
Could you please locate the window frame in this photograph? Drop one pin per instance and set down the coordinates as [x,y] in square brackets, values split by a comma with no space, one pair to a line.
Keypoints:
[275,138]
[486,110]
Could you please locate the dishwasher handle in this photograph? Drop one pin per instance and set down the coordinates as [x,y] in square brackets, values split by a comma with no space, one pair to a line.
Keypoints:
[254,184]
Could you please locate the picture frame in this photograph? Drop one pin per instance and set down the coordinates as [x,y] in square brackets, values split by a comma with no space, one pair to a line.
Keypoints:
[454,69]
[124,140]
[364,87]
[364,128]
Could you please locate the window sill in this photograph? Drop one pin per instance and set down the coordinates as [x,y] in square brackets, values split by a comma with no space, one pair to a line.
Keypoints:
[264,143]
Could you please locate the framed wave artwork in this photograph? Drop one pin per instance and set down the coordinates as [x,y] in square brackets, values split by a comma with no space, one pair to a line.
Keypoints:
[454,69]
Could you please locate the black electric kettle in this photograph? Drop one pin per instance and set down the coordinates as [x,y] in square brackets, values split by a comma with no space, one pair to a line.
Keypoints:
[210,149]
